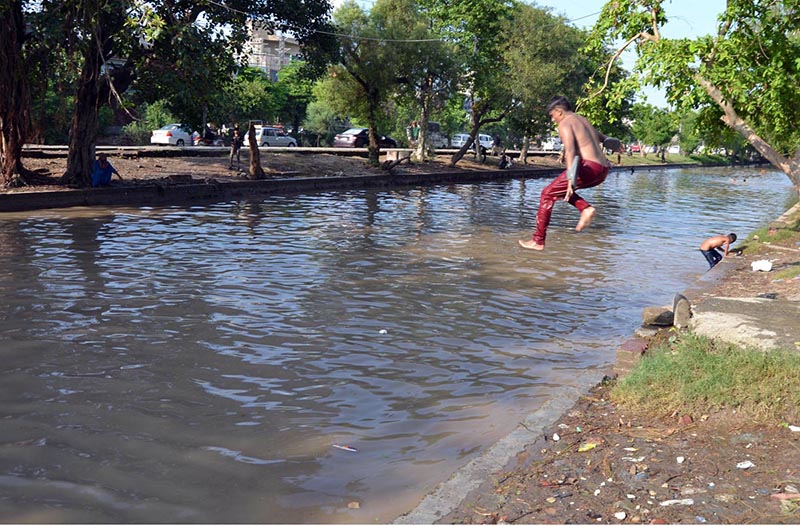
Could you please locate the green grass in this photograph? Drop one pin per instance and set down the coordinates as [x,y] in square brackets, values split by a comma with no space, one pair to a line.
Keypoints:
[693,374]
[787,235]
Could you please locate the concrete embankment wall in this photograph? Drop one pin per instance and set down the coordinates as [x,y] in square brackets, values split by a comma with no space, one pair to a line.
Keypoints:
[161,193]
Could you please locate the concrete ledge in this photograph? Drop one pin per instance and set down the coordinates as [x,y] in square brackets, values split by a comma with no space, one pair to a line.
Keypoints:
[209,190]
[395,154]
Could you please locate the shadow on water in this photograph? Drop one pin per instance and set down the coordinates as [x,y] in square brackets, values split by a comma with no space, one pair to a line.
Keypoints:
[199,364]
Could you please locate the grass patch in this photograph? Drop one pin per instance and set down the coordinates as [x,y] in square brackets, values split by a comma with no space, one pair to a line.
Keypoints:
[788,273]
[694,374]
[787,234]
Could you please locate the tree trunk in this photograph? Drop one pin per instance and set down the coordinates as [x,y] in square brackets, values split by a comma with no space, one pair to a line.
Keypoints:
[83,130]
[422,149]
[256,171]
[15,105]
[523,153]
[791,167]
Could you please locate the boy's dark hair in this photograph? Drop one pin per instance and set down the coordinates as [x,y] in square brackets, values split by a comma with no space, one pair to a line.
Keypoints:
[559,101]
[732,237]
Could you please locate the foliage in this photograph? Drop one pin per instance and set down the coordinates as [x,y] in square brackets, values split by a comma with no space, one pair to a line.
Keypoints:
[363,82]
[544,59]
[748,71]
[691,373]
[652,125]
[477,30]
[154,116]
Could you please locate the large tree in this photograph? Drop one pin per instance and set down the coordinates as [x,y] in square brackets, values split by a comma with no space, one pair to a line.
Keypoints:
[14,94]
[477,29]
[544,58]
[366,75]
[747,73]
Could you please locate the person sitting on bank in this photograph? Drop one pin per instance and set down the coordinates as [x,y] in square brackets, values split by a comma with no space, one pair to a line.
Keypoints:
[102,171]
[709,248]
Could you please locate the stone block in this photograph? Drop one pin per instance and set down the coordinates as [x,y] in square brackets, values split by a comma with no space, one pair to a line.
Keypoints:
[682,311]
[658,316]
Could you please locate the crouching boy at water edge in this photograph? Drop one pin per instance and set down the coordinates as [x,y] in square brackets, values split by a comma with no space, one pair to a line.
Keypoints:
[709,248]
[581,147]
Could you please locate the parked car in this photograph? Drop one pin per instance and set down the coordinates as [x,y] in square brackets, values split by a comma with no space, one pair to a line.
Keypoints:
[173,134]
[460,139]
[359,138]
[435,136]
[552,144]
[635,148]
[268,136]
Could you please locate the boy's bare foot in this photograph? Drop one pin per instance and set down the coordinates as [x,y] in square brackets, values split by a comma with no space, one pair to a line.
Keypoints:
[586,218]
[530,245]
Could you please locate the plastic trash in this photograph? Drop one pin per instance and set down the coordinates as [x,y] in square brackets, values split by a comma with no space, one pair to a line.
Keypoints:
[745,465]
[763,265]
[681,502]
[346,448]
[586,446]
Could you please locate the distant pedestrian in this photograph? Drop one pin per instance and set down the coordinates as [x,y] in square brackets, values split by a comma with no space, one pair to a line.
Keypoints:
[102,170]
[236,146]
[709,248]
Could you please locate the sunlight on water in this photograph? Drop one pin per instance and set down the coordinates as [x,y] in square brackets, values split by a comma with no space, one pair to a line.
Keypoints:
[198,364]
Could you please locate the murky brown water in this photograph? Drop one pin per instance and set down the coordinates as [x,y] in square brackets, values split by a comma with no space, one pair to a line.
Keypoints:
[198,365]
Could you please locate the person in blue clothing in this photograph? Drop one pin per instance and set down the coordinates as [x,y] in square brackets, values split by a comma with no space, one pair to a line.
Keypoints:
[102,171]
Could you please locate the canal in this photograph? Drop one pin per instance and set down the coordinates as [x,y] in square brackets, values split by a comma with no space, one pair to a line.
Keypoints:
[322,358]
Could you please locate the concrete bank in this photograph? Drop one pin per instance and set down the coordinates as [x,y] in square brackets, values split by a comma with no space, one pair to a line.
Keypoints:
[161,193]
[186,190]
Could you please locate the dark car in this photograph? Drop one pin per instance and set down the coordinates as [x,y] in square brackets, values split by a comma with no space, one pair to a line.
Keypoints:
[359,138]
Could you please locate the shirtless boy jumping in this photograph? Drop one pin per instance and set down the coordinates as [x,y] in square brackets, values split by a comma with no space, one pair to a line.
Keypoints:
[580,139]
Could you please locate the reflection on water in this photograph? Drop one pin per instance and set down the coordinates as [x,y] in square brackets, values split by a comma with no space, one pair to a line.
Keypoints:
[199,365]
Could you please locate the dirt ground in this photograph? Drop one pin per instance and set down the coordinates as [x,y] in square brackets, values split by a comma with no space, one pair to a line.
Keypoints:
[602,464]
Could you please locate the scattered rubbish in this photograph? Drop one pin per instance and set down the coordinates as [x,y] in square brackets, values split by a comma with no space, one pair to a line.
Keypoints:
[596,492]
[383,331]
[785,496]
[586,446]
[631,449]
[633,459]
[700,519]
[620,515]
[346,448]
[556,438]
[794,429]
[763,265]
[578,429]
[354,505]
[745,465]
[680,460]
[550,499]
[768,296]
[790,488]
[631,496]
[682,502]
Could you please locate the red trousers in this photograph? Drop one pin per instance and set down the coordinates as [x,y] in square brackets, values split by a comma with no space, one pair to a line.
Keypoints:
[590,174]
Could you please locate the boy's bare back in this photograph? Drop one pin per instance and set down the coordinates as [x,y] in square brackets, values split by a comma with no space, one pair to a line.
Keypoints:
[713,242]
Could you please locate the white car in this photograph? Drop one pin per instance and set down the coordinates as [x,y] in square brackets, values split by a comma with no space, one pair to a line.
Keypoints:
[485,141]
[173,134]
[266,136]
[552,144]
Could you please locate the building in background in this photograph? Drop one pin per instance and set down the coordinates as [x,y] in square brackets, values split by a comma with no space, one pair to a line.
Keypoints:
[270,52]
